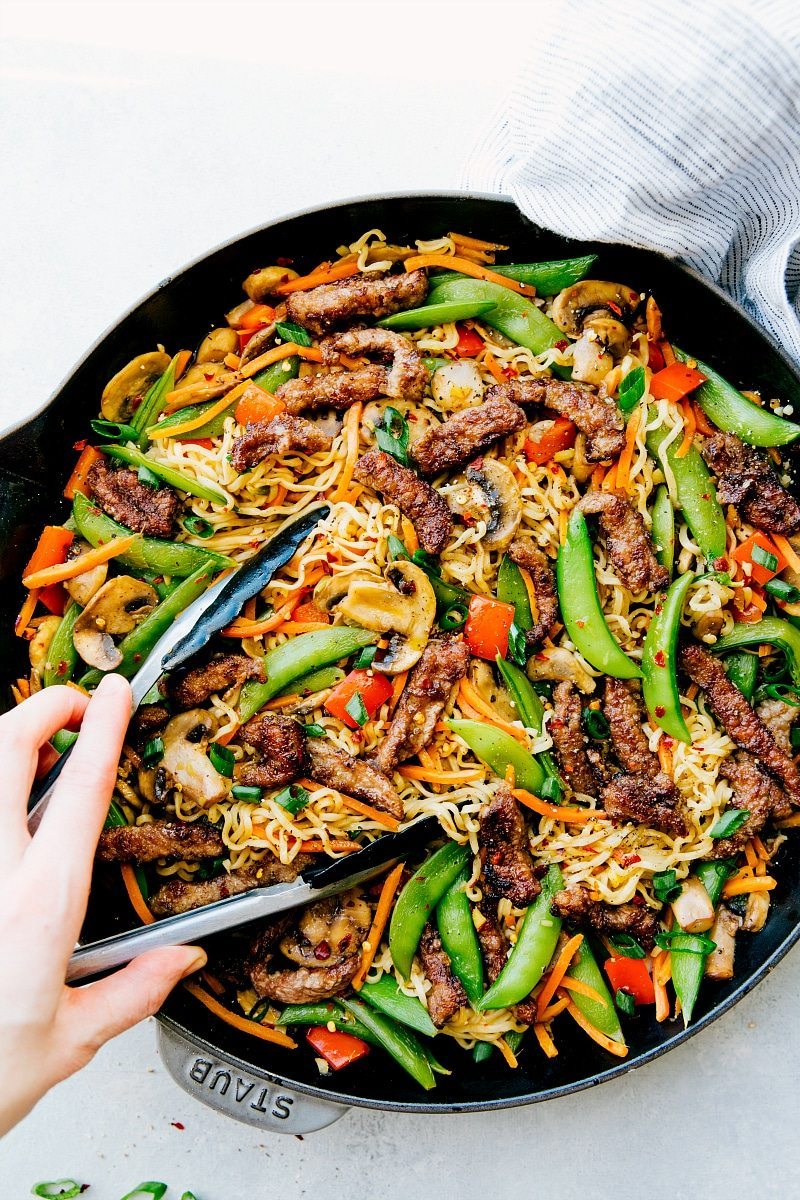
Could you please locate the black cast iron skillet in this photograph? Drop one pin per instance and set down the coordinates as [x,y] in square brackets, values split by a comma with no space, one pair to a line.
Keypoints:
[252,1080]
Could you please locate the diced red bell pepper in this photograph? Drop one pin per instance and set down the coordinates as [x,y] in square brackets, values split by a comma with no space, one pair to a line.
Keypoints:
[755,571]
[373,688]
[469,344]
[631,975]
[51,549]
[560,436]
[675,381]
[308,611]
[206,443]
[337,1048]
[77,480]
[487,628]
[256,317]
[257,405]
[655,356]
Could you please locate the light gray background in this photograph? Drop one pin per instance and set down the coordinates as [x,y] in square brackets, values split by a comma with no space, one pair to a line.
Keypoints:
[135,137]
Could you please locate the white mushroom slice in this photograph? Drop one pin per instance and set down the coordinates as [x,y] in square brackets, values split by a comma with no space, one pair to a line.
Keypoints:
[756,913]
[693,909]
[265,282]
[719,963]
[125,390]
[591,361]
[185,759]
[482,677]
[419,419]
[216,344]
[488,492]
[457,385]
[115,609]
[40,643]
[402,605]
[83,587]
[332,589]
[590,299]
[558,663]
[201,373]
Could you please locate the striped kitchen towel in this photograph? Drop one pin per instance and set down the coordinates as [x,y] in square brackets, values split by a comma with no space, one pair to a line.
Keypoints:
[674,126]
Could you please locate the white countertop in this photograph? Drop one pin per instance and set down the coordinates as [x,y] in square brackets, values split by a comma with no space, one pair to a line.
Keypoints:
[120,165]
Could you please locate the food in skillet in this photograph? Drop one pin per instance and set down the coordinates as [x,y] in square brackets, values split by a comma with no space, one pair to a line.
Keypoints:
[555,604]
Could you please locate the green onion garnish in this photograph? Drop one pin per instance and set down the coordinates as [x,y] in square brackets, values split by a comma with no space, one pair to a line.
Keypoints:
[626,946]
[550,789]
[357,709]
[631,389]
[764,558]
[391,434]
[222,759]
[517,646]
[113,431]
[246,793]
[314,730]
[395,547]
[794,738]
[65,1188]
[147,477]
[365,658]
[153,752]
[729,822]
[692,943]
[453,618]
[292,333]
[625,1002]
[596,724]
[259,1009]
[198,526]
[293,798]
[150,1188]
[426,561]
[782,590]
[481,1051]
[666,887]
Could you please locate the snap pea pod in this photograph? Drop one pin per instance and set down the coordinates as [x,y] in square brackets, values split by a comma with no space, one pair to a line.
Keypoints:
[742,669]
[271,378]
[292,660]
[385,995]
[688,954]
[419,898]
[433,364]
[459,939]
[663,529]
[152,404]
[529,706]
[659,663]
[513,315]
[580,604]
[315,681]
[547,277]
[734,413]
[176,479]
[62,740]
[147,553]
[436,314]
[601,1013]
[322,1014]
[137,644]
[714,875]
[62,657]
[532,951]
[499,750]
[773,631]
[511,590]
[695,495]
[396,1040]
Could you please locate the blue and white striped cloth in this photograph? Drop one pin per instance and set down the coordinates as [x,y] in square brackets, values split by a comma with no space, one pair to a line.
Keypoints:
[674,126]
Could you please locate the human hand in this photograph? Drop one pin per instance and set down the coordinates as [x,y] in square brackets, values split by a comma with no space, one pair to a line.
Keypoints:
[49,1030]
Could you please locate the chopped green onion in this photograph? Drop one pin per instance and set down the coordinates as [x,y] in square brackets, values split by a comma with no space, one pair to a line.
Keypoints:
[481,1051]
[65,1188]
[625,1002]
[631,389]
[113,430]
[221,759]
[208,868]
[626,946]
[365,658]
[455,616]
[794,738]
[357,709]
[153,752]
[150,1188]
[198,526]
[783,591]
[249,794]
[391,434]
[729,822]
[514,1039]
[395,547]
[764,558]
[292,333]
[691,943]
[666,887]
[259,1009]
[148,477]
[426,561]
[517,646]
[314,730]
[293,798]
[188,1196]
[786,692]
[550,789]
[596,724]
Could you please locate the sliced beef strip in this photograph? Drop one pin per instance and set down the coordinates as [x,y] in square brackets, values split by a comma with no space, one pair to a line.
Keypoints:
[345,301]
[506,863]
[302,985]
[282,749]
[441,666]
[177,896]
[738,719]
[575,755]
[575,906]
[746,478]
[494,947]
[466,434]
[447,995]
[525,554]
[408,376]
[281,435]
[646,800]
[141,508]
[754,791]
[338,390]
[594,413]
[416,499]
[190,689]
[160,839]
[147,722]
[353,776]
[629,545]
[625,715]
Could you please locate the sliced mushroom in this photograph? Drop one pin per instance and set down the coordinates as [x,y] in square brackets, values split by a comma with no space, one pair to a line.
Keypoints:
[558,663]
[402,605]
[598,314]
[265,282]
[591,360]
[419,419]
[185,760]
[719,963]
[332,589]
[487,491]
[83,587]
[457,385]
[115,609]
[207,372]
[582,469]
[125,391]
[693,909]
[40,643]
[756,913]
[257,344]
[482,677]
[216,344]
[329,930]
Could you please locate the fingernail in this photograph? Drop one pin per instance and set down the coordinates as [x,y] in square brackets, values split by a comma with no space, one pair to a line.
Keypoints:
[197,963]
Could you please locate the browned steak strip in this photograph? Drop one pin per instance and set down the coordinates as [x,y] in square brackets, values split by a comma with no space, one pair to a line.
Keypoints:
[494,947]
[738,719]
[303,985]
[177,896]
[447,995]
[623,709]
[408,376]
[753,791]
[466,434]
[595,414]
[571,743]
[416,499]
[281,435]
[629,545]
[282,749]
[338,390]
[147,721]
[324,940]
[746,478]
[779,718]
[353,776]
[575,906]
[525,554]
[190,689]
[506,863]
[160,839]
[141,508]
[646,800]
[441,666]
[341,303]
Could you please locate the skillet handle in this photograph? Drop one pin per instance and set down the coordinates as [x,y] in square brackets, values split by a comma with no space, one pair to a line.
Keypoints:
[246,1095]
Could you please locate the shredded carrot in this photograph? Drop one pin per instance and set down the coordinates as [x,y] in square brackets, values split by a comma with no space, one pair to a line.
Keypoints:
[626,457]
[24,688]
[665,757]
[232,361]
[751,856]
[653,313]
[690,428]
[662,1000]
[531,590]
[182,360]
[217,988]
[430,759]
[558,812]
[135,894]
[617,1048]
[337,845]
[287,350]
[327,274]
[662,969]
[496,371]
[372,814]
[507,1053]
[787,550]
[760,849]
[475,700]
[465,266]
[511,776]
[77,480]
[352,424]
[743,887]
[26,612]
[252,629]
[410,536]
[701,421]
[228,736]
[555,1009]
[398,683]
[790,822]
[369,948]
[471,243]
[610,480]
[580,988]
[598,475]
[189,426]
[557,974]
[692,691]
[668,353]
[265,1032]
[545,1041]
[84,562]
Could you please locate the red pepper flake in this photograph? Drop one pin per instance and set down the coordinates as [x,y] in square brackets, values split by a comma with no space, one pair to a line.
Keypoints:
[660,710]
[660,658]
[81,445]
[629,859]
[322,951]
[208,376]
[62,667]
[668,742]
[562,344]
[614,308]
[706,496]
[637,900]
[509,372]
[580,624]
[284,262]
[178,1125]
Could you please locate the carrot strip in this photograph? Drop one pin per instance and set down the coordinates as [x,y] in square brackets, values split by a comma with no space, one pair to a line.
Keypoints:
[750,855]
[287,350]
[616,1048]
[667,352]
[787,550]
[265,1032]
[182,360]
[84,562]
[701,421]
[665,757]
[610,481]
[135,894]
[743,887]
[494,367]
[320,276]
[252,629]
[790,822]
[545,1041]
[373,814]
[662,969]
[557,974]
[760,849]
[352,424]
[465,266]
[398,684]
[463,239]
[580,988]
[558,812]
[410,536]
[690,428]
[555,1009]
[369,947]
[507,1053]
[337,845]
[26,612]
[626,457]
[662,1000]
[189,426]
[441,777]
[476,701]
[217,988]
[228,736]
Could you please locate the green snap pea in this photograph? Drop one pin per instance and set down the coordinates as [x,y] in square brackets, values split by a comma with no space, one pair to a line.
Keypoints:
[271,378]
[62,657]
[170,475]
[734,413]
[152,404]
[396,1040]
[773,631]
[459,939]
[290,661]
[322,1014]
[418,899]
[433,364]
[695,495]
[714,875]
[547,277]
[499,750]
[436,314]
[385,995]
[315,681]
[513,315]
[659,665]
[688,954]
[742,669]
[529,707]
[511,590]
[663,530]
[532,951]
[62,740]
[602,1013]
[210,428]
[580,604]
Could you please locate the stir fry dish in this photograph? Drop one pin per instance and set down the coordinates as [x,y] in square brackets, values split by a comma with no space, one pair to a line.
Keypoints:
[555,604]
